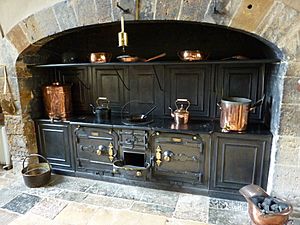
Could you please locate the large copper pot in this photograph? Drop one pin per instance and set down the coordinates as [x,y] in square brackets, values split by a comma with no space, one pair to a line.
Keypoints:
[57,101]
[234,113]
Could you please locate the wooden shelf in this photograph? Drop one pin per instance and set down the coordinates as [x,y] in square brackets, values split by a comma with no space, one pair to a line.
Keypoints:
[204,62]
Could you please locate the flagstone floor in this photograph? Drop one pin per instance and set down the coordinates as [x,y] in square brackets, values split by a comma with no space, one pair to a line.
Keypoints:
[77,201]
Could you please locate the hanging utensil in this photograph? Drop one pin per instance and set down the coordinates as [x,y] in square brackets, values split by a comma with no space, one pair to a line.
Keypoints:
[128,58]
[7,103]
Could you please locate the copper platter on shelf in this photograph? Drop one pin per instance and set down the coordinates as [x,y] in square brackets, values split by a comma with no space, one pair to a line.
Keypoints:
[192,55]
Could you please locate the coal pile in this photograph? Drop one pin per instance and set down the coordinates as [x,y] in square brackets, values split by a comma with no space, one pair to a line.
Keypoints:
[269,205]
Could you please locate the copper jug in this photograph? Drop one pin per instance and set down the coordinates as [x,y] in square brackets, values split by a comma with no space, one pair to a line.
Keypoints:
[57,101]
[181,115]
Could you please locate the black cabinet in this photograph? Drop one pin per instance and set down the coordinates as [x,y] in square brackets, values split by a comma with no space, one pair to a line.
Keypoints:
[238,160]
[55,144]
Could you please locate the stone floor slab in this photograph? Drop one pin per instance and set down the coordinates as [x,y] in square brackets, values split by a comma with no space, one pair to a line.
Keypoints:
[225,204]
[75,214]
[221,217]
[105,201]
[4,182]
[183,222]
[165,198]
[6,217]
[7,195]
[129,192]
[192,207]
[125,217]
[32,219]
[71,195]
[71,183]
[103,188]
[152,209]
[22,203]
[49,208]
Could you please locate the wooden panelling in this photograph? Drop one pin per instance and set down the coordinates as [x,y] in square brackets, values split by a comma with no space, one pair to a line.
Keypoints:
[109,83]
[192,83]
[81,87]
[245,81]
[239,160]
[146,89]
[54,143]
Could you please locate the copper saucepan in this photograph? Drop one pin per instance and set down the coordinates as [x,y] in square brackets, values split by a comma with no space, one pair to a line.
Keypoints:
[128,58]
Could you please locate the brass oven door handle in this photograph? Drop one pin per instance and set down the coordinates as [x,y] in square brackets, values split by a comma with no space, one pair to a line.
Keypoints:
[111,151]
[158,156]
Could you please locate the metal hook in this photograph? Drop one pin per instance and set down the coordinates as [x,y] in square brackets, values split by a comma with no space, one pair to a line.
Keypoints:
[125,11]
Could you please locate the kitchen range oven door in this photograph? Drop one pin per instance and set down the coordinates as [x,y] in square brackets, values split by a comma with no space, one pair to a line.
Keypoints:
[96,149]
[179,159]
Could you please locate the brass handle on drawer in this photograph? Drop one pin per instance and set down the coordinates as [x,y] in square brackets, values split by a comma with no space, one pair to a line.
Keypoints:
[111,152]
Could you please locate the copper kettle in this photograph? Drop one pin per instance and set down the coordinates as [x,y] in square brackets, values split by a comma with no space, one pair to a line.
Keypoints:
[181,115]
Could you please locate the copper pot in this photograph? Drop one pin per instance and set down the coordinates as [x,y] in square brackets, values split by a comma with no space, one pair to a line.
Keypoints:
[234,113]
[255,213]
[57,101]
[181,115]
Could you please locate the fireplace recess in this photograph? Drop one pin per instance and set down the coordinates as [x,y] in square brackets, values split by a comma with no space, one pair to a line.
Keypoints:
[197,157]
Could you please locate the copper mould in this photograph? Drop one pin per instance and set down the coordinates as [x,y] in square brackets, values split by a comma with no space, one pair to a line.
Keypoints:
[57,101]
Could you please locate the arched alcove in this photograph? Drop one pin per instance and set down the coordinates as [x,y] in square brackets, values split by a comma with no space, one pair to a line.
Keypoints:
[149,38]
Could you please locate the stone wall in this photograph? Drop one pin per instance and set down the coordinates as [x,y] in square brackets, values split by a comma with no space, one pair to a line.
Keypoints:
[275,20]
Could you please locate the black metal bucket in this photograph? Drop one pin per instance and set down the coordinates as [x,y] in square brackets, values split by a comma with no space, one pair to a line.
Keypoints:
[36,174]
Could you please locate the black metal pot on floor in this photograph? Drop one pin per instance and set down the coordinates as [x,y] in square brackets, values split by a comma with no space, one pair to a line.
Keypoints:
[36,174]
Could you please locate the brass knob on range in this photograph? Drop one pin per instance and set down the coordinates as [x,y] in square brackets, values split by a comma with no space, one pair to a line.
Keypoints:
[100,149]
[167,155]
[138,173]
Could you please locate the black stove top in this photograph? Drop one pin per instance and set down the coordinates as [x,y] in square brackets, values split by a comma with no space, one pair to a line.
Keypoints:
[163,124]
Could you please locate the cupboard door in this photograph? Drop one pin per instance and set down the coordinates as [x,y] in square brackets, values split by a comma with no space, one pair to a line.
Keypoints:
[111,83]
[239,160]
[146,89]
[245,81]
[54,143]
[192,83]
[81,88]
